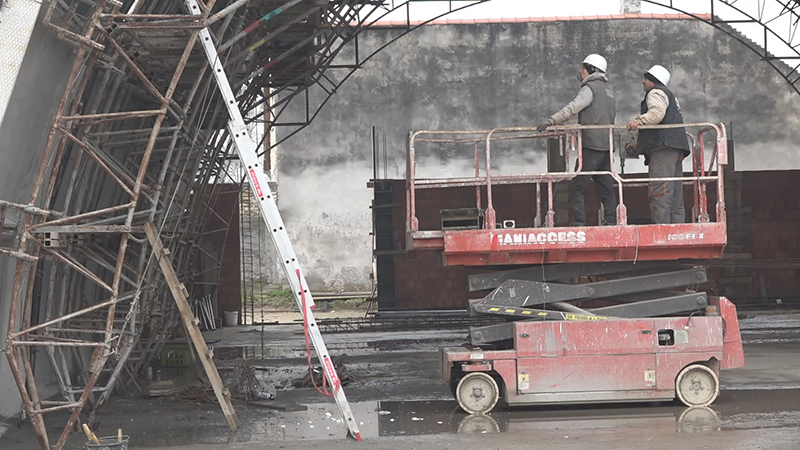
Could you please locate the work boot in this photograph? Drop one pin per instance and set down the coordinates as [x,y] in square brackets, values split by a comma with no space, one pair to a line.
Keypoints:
[577,224]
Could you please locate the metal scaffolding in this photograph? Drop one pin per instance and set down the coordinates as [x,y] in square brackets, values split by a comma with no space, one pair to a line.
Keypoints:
[139,136]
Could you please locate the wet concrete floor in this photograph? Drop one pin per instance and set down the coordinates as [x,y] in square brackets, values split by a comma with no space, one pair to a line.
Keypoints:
[400,403]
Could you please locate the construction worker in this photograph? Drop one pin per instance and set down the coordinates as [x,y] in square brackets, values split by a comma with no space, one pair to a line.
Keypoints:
[663,149]
[594,105]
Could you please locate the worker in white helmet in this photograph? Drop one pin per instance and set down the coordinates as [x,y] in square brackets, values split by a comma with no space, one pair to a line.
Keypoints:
[663,149]
[594,105]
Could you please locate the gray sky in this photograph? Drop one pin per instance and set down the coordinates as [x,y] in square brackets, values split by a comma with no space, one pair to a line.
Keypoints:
[496,9]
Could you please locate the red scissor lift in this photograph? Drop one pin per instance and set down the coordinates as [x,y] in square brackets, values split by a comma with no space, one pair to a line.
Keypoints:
[586,314]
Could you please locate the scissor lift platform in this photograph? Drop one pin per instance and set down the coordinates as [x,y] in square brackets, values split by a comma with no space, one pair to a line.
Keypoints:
[577,244]
[594,313]
[479,236]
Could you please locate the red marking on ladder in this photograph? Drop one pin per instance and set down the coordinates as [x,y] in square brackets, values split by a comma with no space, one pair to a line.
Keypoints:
[327,367]
[332,373]
[256,183]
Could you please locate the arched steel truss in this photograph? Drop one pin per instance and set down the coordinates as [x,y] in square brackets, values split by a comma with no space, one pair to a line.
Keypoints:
[774,25]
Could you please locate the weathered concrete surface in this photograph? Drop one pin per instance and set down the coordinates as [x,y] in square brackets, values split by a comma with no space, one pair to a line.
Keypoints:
[23,132]
[504,74]
[16,25]
[400,403]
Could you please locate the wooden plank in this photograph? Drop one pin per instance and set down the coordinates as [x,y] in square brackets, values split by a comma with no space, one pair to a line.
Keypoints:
[180,295]
[162,388]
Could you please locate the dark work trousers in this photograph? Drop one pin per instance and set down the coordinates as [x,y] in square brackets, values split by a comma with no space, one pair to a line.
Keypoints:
[666,197]
[594,161]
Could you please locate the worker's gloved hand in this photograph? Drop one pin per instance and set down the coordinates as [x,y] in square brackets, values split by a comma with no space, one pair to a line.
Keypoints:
[543,126]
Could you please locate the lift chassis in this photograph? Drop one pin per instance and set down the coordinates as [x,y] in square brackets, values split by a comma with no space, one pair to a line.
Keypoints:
[596,361]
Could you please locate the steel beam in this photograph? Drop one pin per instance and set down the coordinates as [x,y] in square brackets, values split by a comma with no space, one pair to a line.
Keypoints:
[668,304]
[559,272]
[527,293]
[492,333]
[534,314]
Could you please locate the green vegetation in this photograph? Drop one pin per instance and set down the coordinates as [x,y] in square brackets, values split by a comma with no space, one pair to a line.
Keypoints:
[282,300]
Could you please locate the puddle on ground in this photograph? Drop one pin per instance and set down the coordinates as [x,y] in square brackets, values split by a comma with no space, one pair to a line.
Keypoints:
[388,418]
[734,410]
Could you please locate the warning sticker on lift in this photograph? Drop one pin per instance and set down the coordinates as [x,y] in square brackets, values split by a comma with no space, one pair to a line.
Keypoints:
[686,237]
[570,316]
[649,376]
[524,381]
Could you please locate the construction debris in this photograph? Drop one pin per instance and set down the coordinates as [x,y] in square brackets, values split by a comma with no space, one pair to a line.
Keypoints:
[165,388]
[245,385]
[204,311]
[199,392]
[318,375]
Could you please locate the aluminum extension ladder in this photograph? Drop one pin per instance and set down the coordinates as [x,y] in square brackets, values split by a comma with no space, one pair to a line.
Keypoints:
[246,148]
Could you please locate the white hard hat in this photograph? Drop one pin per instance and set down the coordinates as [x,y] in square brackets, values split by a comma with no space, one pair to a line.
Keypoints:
[659,73]
[596,61]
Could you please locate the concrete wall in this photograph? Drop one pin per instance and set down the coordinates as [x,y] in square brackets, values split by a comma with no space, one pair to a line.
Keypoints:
[505,74]
[23,132]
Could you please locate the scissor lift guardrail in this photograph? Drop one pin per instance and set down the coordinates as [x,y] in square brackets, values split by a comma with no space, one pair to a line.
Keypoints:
[541,242]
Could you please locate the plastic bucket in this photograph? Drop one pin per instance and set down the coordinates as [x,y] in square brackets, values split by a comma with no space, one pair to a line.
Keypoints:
[109,443]
[230,318]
